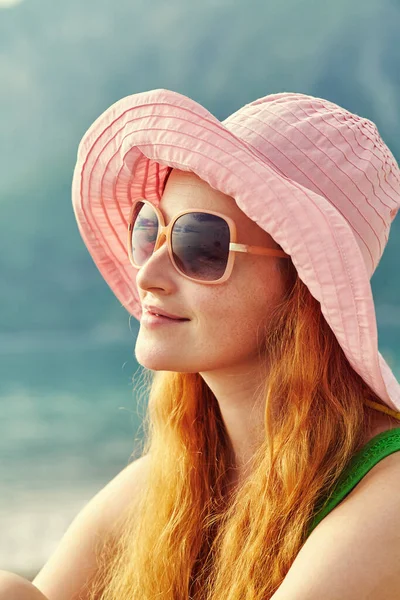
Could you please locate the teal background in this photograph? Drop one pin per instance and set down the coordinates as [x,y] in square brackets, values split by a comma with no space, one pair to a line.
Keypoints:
[69,414]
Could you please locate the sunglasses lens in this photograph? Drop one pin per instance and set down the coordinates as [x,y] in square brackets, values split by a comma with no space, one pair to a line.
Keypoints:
[200,245]
[144,233]
[200,242]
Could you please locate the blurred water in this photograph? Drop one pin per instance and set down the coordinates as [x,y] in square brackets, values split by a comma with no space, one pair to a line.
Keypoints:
[69,423]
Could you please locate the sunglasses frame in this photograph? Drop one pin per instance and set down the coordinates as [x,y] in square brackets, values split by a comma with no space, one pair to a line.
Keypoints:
[166,232]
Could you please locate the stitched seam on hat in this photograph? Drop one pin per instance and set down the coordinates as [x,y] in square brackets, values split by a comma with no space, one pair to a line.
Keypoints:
[312,180]
[378,141]
[122,270]
[335,116]
[383,146]
[381,187]
[213,121]
[114,275]
[114,191]
[344,173]
[353,149]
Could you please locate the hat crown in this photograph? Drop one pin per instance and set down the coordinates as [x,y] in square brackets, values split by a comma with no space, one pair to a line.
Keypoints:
[331,151]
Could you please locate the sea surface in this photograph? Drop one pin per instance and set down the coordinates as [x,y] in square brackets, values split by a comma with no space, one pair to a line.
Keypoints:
[70,421]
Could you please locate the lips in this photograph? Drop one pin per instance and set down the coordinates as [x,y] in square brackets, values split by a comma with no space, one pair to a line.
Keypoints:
[154,310]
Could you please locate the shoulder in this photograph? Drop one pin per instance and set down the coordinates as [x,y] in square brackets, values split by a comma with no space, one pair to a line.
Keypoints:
[122,491]
[355,551]
[106,509]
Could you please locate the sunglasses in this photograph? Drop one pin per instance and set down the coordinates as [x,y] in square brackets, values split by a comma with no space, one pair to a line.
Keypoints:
[201,244]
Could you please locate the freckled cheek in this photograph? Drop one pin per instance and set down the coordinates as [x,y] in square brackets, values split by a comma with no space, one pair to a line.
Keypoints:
[234,312]
[214,315]
[250,314]
[229,324]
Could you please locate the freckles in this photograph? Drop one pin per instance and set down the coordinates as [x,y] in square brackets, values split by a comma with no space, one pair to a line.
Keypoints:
[239,304]
[253,305]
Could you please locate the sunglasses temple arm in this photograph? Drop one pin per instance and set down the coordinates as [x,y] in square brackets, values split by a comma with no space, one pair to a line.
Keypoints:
[257,250]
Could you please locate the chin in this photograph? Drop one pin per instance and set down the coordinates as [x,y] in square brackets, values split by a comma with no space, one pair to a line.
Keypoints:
[157,359]
[170,356]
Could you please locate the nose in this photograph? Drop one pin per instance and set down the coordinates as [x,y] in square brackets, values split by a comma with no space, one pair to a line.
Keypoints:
[158,270]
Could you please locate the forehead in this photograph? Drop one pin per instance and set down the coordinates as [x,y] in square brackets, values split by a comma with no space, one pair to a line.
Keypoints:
[185,190]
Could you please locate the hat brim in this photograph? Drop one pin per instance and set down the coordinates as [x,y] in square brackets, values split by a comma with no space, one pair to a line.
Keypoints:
[125,154]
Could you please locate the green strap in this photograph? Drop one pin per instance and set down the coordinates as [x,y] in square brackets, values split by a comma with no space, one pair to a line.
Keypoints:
[378,447]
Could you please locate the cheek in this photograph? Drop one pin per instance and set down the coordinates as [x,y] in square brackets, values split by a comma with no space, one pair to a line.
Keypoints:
[246,319]
[235,316]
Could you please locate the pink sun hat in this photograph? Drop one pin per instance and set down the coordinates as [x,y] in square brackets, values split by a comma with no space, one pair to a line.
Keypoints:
[318,178]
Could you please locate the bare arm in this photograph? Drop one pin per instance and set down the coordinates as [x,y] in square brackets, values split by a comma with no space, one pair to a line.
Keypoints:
[15,587]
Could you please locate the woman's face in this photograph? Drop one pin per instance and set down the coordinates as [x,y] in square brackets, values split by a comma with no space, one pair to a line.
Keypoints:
[224,319]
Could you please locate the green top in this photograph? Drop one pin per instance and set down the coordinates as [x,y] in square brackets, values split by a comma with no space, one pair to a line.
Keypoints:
[368,456]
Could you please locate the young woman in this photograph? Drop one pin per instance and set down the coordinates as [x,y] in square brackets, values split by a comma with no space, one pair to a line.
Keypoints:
[245,248]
